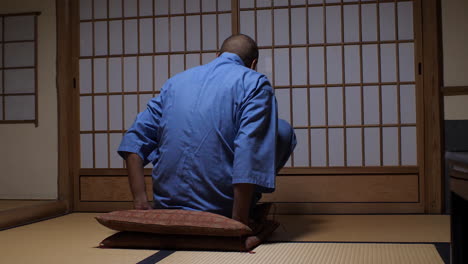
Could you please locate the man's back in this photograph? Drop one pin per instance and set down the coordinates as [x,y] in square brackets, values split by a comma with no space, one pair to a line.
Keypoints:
[214,125]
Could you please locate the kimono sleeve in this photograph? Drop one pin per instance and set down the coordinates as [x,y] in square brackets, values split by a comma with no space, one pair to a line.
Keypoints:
[255,143]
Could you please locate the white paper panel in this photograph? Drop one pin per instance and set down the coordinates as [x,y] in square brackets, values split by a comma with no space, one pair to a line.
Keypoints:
[225,29]
[408,104]
[208,57]
[297,2]
[146,35]
[115,74]
[353,105]
[351,23]
[281,67]
[336,146]
[318,142]
[146,8]
[353,147]
[162,7]
[144,99]
[265,3]
[264,27]
[192,60]
[86,150]
[19,28]
[100,76]
[281,26]
[390,146]
[115,35]
[388,62]
[300,108]
[299,66]
[193,6]
[86,9]
[316,65]
[405,20]
[193,32]
[19,107]
[208,5]
[370,63]
[334,65]
[389,104]
[276,2]
[100,113]
[100,38]
[209,32]
[177,64]
[246,3]
[408,146]
[265,63]
[85,76]
[100,9]
[335,106]
[130,74]
[333,24]
[86,38]
[387,21]
[86,113]
[284,104]
[352,64]
[161,34]
[115,112]
[316,25]
[371,104]
[19,81]
[317,106]
[369,22]
[247,23]
[145,73]
[115,160]
[177,34]
[224,5]
[101,150]
[131,36]
[161,71]
[177,6]
[301,152]
[407,62]
[298,26]
[131,109]
[115,8]
[372,146]
[130,8]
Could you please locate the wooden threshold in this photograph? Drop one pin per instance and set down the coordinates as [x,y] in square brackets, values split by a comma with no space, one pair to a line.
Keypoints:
[32,213]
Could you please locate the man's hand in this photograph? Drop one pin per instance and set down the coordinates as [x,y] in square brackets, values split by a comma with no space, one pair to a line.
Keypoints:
[142,205]
[136,179]
[243,194]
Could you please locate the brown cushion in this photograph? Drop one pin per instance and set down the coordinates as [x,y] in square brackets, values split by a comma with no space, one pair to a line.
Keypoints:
[174,222]
[138,240]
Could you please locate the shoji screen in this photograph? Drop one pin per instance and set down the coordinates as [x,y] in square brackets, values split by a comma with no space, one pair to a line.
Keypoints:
[344,73]
[128,49]
[344,77]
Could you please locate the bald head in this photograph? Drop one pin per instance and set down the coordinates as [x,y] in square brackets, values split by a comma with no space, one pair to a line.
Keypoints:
[243,46]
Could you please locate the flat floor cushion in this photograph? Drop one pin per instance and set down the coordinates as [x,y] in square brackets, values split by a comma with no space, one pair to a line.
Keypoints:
[183,229]
[174,222]
[139,240]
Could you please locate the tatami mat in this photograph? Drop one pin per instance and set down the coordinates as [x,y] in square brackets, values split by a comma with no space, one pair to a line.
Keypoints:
[72,239]
[363,228]
[320,253]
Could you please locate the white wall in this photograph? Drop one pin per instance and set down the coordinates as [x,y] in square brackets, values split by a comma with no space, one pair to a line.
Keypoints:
[455,49]
[28,155]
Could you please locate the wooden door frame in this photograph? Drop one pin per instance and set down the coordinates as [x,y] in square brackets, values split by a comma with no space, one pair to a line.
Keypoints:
[431,119]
